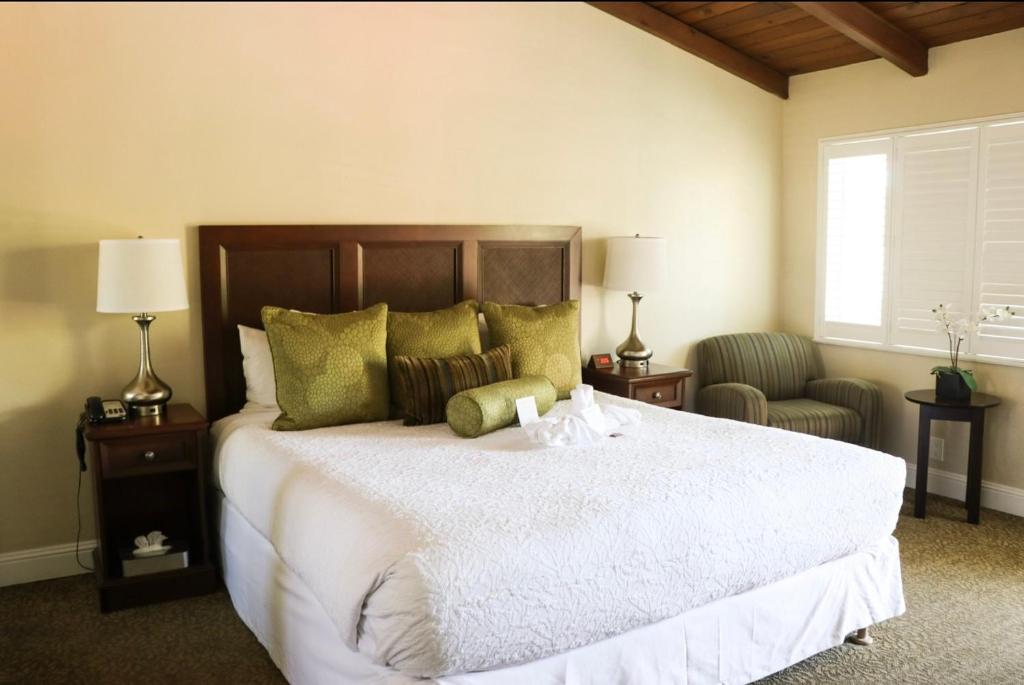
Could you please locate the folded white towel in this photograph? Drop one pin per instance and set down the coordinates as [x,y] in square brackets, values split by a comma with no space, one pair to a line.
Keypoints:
[585,425]
[619,418]
[582,397]
[562,432]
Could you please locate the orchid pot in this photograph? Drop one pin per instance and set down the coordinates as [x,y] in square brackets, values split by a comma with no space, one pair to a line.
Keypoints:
[952,383]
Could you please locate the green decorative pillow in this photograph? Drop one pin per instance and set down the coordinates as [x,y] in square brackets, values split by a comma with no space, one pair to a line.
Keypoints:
[330,369]
[428,384]
[545,341]
[438,334]
[479,411]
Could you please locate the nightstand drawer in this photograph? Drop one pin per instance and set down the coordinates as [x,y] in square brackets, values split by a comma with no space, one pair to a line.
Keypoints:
[151,454]
[653,384]
[657,393]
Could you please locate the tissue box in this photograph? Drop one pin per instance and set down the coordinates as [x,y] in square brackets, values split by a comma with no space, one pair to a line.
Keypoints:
[176,558]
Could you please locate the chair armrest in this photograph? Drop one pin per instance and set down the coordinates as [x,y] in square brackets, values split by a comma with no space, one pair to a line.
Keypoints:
[736,401]
[853,393]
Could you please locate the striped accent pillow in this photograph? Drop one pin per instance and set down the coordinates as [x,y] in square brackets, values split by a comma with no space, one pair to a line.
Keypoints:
[428,384]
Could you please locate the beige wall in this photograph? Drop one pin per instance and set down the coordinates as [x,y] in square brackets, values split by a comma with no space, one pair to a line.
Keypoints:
[120,120]
[971,79]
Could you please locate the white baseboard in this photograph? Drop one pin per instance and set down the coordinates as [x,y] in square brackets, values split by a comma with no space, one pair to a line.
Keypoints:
[43,563]
[954,485]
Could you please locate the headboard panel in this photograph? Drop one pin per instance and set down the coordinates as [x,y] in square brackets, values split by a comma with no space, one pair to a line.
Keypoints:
[332,269]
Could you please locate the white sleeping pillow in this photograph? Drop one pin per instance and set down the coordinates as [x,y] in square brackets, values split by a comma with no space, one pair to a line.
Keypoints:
[258,368]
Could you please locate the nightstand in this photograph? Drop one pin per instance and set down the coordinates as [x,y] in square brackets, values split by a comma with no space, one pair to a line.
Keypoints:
[149,473]
[653,384]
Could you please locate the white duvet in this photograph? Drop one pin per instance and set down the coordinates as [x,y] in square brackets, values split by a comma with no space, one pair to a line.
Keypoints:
[437,555]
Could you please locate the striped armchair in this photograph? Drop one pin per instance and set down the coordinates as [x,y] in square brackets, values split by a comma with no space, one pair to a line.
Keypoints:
[775,379]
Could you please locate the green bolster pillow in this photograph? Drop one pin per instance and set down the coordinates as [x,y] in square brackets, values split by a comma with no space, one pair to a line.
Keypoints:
[478,411]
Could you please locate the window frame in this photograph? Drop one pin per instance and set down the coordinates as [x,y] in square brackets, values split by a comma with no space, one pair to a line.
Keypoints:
[832,333]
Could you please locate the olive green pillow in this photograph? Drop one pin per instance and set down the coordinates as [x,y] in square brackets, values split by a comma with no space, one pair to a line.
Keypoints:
[438,334]
[545,341]
[475,412]
[330,369]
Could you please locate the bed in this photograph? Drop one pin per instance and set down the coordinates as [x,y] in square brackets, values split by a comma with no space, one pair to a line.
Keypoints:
[690,550]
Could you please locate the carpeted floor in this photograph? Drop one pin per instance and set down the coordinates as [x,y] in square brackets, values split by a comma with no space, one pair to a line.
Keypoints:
[964,623]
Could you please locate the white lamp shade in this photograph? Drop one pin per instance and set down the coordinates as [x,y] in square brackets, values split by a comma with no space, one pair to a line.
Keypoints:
[636,263]
[141,275]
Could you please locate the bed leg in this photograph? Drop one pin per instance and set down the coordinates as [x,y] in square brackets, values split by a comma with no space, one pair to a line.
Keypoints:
[861,638]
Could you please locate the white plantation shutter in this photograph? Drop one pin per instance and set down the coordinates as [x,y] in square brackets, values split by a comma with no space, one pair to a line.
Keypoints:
[912,219]
[855,212]
[934,213]
[999,263]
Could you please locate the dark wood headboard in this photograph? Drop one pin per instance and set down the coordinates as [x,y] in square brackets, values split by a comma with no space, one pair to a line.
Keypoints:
[331,269]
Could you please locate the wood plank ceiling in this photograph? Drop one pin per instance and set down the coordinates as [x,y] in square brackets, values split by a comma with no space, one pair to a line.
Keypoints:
[767,42]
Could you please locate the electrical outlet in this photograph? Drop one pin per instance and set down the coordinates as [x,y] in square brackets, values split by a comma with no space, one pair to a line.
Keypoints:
[936,447]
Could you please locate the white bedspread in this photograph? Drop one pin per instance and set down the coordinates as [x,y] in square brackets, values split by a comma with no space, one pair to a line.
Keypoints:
[438,555]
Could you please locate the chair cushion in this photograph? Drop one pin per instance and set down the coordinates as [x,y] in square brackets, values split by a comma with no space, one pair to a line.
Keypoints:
[777,364]
[816,418]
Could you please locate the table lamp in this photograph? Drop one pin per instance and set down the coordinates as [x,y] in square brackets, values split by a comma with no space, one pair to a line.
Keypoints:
[140,277]
[635,264]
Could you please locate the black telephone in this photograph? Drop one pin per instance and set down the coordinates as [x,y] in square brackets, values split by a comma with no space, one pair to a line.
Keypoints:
[104,411]
[97,411]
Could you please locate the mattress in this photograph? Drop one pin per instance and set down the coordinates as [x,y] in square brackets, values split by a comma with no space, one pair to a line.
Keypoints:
[435,555]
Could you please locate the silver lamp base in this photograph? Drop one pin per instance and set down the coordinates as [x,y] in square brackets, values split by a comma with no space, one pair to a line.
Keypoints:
[147,409]
[635,363]
[146,395]
[632,352]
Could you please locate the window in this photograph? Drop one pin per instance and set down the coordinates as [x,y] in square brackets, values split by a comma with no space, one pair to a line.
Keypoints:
[855,215]
[917,218]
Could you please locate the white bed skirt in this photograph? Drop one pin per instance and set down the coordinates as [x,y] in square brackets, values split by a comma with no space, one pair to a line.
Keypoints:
[733,640]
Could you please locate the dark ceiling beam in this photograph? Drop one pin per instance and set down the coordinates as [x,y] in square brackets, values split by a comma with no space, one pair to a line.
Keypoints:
[682,35]
[860,24]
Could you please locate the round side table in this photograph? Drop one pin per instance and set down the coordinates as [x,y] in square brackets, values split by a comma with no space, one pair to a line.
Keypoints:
[972,412]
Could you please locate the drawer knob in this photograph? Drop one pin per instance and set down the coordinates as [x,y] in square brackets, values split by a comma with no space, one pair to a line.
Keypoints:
[657,395]
[149,455]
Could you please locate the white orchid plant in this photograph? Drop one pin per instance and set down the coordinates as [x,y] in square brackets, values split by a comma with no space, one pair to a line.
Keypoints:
[957,329]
